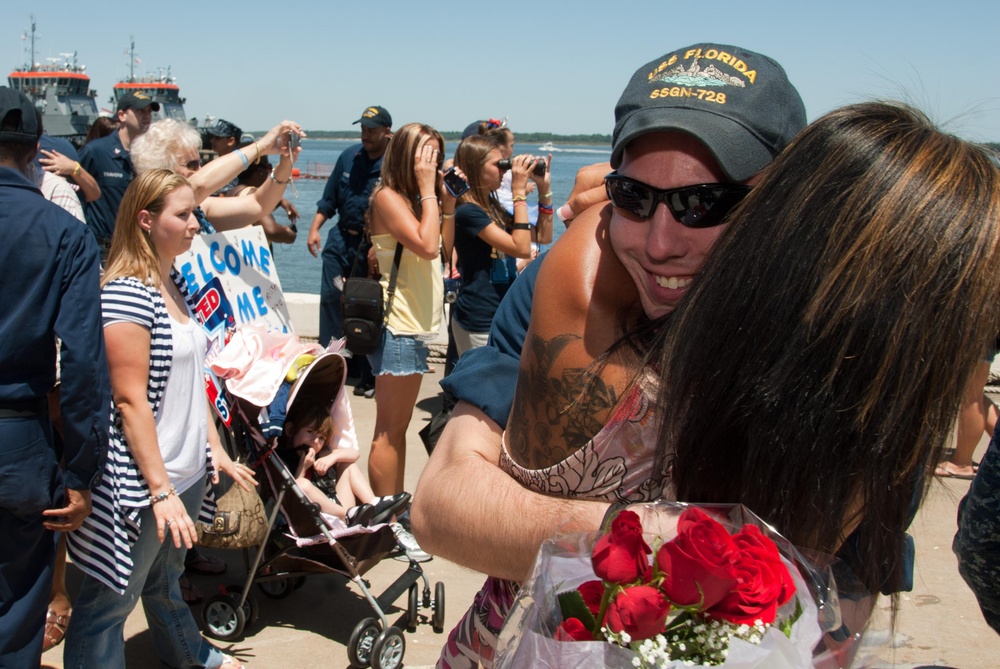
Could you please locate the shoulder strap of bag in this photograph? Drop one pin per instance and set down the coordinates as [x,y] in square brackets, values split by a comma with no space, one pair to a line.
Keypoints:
[392,279]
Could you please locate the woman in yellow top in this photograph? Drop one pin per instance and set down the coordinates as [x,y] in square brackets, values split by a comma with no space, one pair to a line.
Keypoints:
[405,209]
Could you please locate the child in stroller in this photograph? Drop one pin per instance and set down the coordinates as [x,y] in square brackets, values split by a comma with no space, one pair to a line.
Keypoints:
[328,474]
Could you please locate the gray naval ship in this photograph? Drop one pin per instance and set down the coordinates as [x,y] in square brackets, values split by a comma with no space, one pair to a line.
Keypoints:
[161,87]
[60,89]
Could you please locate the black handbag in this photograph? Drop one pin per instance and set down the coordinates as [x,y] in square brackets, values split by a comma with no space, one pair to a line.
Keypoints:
[365,311]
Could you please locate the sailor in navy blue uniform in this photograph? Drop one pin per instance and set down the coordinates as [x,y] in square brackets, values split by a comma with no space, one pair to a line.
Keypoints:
[50,288]
[107,160]
[354,176]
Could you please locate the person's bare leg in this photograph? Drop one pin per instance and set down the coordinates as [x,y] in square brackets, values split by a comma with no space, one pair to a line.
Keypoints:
[395,397]
[972,419]
[326,505]
[358,483]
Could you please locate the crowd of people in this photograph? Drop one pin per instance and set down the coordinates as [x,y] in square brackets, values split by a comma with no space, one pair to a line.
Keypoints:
[749,341]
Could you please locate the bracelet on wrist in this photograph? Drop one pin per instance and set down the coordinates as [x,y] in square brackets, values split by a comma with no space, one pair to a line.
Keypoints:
[519,198]
[547,196]
[76,170]
[243,158]
[428,197]
[522,226]
[545,209]
[451,215]
[156,499]
[259,152]
[521,203]
[274,178]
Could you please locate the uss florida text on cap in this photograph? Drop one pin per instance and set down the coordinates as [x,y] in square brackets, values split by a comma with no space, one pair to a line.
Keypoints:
[375,117]
[18,118]
[223,128]
[137,100]
[739,103]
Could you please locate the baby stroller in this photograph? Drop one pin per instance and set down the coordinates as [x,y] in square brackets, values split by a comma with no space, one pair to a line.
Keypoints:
[301,541]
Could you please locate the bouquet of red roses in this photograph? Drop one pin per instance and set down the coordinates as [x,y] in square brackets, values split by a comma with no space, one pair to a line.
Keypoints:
[720,592]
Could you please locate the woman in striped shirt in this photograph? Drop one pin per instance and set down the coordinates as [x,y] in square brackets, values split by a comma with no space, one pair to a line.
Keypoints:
[162,448]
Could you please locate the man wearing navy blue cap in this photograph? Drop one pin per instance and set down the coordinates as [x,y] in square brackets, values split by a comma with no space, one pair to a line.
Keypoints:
[108,160]
[50,288]
[354,176]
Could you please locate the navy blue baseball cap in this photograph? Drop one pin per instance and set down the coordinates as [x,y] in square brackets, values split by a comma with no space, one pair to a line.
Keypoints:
[223,128]
[137,100]
[18,118]
[738,103]
[375,117]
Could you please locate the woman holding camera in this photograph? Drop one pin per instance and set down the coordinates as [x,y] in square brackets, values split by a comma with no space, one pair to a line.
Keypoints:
[487,237]
[404,210]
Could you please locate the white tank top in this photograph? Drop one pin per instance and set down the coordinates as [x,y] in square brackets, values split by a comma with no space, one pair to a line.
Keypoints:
[182,421]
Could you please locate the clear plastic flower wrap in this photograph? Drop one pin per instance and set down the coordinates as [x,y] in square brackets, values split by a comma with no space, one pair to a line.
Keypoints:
[817,622]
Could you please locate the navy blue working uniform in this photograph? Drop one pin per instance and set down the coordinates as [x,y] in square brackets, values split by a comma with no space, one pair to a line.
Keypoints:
[347,192]
[50,288]
[111,166]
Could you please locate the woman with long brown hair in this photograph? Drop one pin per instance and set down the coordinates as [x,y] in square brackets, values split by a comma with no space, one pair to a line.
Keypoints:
[487,238]
[405,210]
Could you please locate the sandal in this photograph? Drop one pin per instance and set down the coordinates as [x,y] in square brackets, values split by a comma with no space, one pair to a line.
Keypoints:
[190,593]
[55,629]
[200,563]
[942,471]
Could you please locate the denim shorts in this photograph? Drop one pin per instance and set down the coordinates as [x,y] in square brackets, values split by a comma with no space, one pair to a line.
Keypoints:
[399,355]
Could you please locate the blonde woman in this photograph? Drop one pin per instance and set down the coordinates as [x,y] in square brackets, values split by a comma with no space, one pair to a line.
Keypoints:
[163,449]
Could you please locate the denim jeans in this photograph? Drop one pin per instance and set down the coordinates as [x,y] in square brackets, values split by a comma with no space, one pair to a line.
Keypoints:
[96,632]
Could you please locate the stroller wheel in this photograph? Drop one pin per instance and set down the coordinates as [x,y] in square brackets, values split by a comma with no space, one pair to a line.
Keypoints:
[223,619]
[359,648]
[388,649]
[412,609]
[278,588]
[250,609]
[437,620]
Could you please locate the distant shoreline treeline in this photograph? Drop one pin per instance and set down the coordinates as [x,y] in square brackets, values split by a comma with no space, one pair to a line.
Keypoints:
[522,137]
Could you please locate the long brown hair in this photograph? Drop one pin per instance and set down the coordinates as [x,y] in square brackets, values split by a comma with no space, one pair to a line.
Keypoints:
[470,156]
[132,252]
[397,164]
[817,366]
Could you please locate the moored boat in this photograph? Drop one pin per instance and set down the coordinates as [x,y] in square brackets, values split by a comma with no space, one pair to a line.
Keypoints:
[162,87]
[60,89]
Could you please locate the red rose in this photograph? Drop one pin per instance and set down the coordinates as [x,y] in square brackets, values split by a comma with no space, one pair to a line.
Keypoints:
[573,630]
[621,555]
[697,563]
[592,591]
[764,582]
[640,610]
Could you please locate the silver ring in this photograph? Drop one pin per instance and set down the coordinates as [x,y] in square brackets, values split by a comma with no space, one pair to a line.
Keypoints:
[167,523]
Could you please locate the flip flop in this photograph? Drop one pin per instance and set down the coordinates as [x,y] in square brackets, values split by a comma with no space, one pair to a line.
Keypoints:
[941,472]
[205,564]
[190,593]
[55,629]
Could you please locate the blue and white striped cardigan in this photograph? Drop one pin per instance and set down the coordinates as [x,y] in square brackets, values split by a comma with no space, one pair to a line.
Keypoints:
[101,547]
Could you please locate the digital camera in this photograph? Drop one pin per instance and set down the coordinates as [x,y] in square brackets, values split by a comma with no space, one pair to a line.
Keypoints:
[451,287]
[455,184]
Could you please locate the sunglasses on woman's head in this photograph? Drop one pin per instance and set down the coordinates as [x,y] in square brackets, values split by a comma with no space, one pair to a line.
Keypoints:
[701,206]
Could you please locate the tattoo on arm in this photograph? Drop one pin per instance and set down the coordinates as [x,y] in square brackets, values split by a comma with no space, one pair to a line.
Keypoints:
[556,413]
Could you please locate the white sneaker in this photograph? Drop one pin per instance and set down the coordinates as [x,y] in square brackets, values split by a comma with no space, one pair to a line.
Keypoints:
[409,544]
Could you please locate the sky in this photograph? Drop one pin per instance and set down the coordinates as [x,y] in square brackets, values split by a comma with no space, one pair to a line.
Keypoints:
[547,66]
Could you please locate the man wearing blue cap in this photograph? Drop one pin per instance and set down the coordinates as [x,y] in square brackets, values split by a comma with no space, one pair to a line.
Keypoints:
[354,176]
[50,288]
[693,127]
[108,160]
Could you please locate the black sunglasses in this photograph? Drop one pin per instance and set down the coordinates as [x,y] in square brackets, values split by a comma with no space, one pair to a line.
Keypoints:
[193,164]
[701,206]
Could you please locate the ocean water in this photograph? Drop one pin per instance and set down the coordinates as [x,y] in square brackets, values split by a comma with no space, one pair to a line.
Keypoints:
[300,272]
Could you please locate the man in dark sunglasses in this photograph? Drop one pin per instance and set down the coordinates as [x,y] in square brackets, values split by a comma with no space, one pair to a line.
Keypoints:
[692,131]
